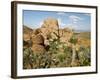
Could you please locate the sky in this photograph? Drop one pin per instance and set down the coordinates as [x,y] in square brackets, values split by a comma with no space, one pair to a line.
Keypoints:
[76,21]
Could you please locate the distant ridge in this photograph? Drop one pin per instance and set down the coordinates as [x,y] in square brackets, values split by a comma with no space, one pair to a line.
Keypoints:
[78,31]
[26,29]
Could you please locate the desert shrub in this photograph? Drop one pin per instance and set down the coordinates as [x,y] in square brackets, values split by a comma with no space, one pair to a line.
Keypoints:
[73,39]
[84,56]
[28,58]
[68,52]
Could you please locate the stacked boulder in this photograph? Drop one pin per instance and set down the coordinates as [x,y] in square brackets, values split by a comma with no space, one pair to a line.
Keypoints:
[48,28]
[38,44]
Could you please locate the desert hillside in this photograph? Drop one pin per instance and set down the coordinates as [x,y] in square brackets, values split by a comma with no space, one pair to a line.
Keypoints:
[53,46]
[26,29]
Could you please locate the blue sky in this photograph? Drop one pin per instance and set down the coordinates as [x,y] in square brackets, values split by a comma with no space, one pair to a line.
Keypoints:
[77,21]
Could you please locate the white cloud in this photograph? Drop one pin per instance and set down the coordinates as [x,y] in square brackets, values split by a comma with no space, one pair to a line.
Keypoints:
[75,19]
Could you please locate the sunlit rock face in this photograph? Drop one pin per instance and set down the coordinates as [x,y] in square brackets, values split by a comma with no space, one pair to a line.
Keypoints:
[50,23]
[65,35]
[49,26]
[38,49]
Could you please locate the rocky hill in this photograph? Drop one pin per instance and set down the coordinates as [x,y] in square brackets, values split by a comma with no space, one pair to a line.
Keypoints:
[53,46]
[26,29]
[50,30]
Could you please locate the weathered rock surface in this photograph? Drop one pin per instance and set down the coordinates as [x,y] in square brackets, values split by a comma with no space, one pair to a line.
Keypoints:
[50,23]
[65,35]
[38,49]
[38,39]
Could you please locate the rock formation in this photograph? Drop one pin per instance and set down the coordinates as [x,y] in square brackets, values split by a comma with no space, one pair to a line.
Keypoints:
[48,30]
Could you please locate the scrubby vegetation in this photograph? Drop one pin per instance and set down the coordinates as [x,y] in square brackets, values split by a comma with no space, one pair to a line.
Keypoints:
[57,53]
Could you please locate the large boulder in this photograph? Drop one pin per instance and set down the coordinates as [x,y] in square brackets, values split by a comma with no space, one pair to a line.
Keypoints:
[26,36]
[38,39]
[49,25]
[38,49]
